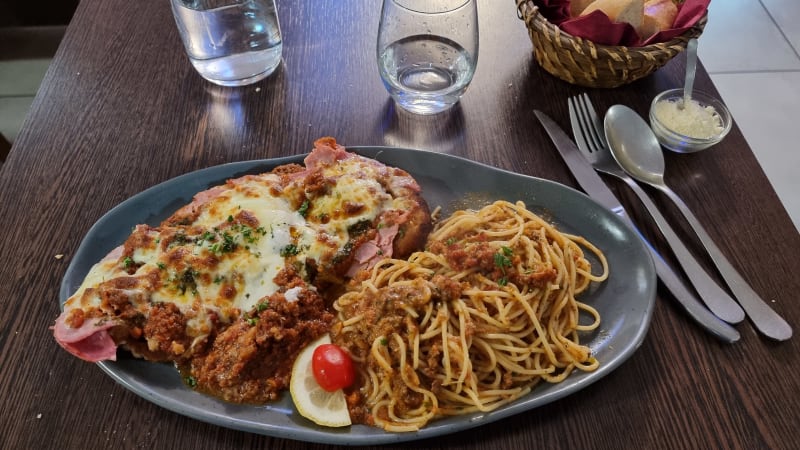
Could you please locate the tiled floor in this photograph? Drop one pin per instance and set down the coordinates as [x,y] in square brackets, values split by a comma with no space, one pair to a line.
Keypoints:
[19,80]
[751,48]
[25,54]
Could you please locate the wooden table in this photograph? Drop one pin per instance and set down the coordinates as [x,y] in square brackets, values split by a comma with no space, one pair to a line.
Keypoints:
[121,109]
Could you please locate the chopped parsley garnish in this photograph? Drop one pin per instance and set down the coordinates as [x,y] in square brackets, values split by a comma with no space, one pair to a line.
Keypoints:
[384,341]
[190,381]
[247,235]
[502,260]
[289,250]
[179,239]
[262,306]
[207,236]
[252,321]
[187,281]
[161,265]
[228,244]
[228,241]
[127,262]
[303,210]
[250,235]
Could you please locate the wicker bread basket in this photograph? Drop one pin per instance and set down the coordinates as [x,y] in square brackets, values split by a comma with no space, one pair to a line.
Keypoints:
[582,62]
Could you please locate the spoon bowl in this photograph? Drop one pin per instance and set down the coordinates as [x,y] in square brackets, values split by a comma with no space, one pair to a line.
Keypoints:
[634,145]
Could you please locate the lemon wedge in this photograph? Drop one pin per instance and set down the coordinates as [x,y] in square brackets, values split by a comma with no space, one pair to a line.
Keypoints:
[324,408]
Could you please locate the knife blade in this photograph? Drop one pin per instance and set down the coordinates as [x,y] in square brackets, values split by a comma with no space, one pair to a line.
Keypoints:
[593,185]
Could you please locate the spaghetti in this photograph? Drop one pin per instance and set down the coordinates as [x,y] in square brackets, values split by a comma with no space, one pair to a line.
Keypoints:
[475,321]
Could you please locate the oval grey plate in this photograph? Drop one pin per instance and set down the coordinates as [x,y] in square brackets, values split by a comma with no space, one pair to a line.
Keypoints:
[625,301]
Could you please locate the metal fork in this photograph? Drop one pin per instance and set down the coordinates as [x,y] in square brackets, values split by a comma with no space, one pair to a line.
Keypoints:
[590,138]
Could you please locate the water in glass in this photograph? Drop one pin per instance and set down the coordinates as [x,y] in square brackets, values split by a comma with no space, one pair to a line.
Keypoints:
[426,73]
[427,52]
[230,43]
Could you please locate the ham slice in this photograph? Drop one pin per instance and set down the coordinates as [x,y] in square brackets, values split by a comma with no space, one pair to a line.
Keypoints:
[369,253]
[90,342]
[326,151]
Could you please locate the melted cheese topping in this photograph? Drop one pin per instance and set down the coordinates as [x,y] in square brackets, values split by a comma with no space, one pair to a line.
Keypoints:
[225,262]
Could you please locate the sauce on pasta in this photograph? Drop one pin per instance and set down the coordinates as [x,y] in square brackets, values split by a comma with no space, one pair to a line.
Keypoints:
[486,312]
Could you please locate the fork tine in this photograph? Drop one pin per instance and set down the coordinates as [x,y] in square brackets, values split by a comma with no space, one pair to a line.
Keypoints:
[578,126]
[592,123]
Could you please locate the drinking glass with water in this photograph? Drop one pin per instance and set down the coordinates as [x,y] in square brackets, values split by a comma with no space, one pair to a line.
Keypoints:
[230,42]
[427,52]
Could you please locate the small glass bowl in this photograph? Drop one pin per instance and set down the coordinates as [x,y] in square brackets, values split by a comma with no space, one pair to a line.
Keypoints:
[681,143]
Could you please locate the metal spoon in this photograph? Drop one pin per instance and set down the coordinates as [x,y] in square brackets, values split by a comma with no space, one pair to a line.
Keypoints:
[691,67]
[637,150]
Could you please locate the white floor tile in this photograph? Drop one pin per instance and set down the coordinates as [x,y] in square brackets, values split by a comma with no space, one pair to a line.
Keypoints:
[741,37]
[786,14]
[22,76]
[768,119]
[12,113]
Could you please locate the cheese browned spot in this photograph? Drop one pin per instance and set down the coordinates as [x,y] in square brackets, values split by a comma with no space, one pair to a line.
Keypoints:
[271,248]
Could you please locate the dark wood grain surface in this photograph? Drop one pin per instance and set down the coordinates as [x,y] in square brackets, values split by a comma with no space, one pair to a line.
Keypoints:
[121,109]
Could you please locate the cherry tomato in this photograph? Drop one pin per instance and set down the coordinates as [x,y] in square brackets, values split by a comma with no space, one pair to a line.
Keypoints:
[332,366]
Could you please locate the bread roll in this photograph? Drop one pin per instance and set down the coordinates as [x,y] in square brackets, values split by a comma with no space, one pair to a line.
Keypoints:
[576,7]
[648,27]
[631,11]
[659,15]
[662,11]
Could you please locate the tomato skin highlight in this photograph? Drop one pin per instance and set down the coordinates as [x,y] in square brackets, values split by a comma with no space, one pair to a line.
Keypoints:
[333,367]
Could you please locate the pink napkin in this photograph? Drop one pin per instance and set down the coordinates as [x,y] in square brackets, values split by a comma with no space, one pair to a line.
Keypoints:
[597,27]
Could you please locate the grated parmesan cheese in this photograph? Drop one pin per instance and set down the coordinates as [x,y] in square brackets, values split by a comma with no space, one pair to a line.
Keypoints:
[293,294]
[693,120]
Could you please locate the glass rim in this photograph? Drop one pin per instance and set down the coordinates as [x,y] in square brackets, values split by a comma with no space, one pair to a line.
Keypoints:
[403,4]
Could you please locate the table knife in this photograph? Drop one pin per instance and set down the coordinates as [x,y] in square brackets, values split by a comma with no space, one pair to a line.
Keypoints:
[594,186]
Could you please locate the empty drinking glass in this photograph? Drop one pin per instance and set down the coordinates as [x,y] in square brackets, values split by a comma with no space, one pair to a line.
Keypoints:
[230,42]
[427,52]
